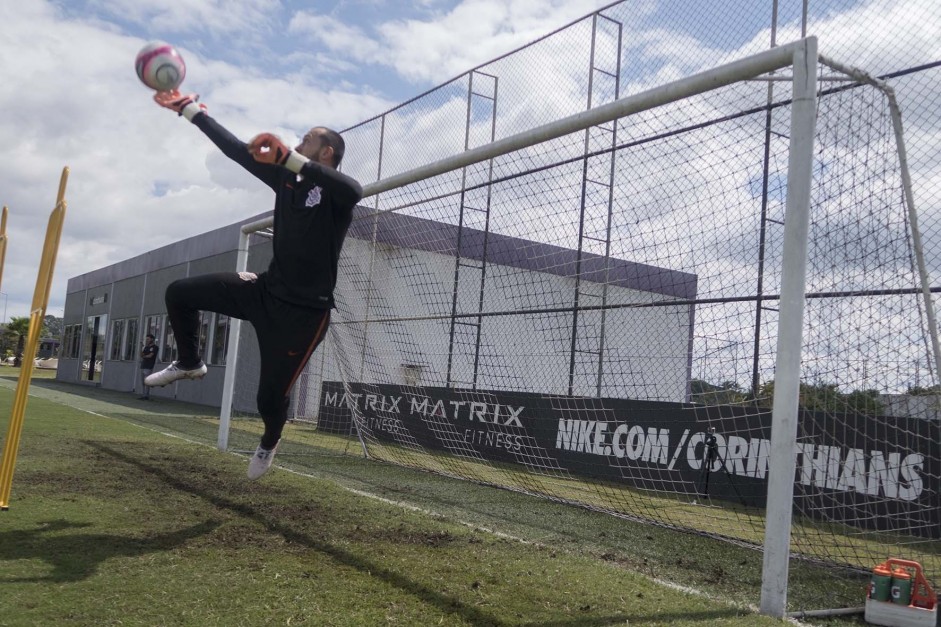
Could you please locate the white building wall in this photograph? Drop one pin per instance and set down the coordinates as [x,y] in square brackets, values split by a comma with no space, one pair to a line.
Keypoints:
[645,355]
[646,349]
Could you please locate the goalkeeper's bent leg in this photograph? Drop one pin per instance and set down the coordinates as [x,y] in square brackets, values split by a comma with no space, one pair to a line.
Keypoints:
[227,293]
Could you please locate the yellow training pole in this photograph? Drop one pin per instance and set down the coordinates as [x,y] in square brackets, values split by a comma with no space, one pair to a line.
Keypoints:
[3,242]
[37,315]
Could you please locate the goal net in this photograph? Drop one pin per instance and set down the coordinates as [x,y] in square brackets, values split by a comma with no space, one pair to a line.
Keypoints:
[591,313]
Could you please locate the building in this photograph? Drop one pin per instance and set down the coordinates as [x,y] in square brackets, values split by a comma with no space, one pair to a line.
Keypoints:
[108,311]
[926,406]
[48,347]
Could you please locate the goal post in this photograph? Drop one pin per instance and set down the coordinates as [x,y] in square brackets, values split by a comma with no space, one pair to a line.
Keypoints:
[232,348]
[790,334]
[679,306]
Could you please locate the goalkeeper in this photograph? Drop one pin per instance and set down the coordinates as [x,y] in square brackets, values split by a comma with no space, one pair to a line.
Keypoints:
[289,304]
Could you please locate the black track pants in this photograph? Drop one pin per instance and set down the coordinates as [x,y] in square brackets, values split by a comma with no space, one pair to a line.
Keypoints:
[287,334]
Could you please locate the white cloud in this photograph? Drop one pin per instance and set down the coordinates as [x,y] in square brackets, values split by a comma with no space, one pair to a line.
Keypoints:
[354,42]
[446,43]
[216,17]
[141,177]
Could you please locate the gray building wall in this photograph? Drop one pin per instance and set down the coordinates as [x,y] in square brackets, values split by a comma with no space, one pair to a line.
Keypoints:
[927,407]
[134,290]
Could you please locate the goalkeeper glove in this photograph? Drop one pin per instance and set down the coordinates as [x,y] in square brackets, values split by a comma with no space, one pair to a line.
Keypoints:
[185,105]
[268,148]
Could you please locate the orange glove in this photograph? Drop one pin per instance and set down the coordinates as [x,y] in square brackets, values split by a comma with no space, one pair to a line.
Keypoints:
[267,148]
[177,102]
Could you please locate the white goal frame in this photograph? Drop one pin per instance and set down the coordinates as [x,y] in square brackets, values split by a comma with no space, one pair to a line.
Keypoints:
[802,57]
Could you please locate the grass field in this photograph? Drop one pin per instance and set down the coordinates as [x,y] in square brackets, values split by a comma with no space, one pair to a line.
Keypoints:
[113,521]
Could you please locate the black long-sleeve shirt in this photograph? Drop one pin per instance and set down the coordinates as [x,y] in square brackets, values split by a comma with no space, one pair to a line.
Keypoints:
[148,356]
[311,215]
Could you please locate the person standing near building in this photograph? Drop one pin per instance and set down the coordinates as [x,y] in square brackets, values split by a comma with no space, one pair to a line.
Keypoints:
[148,359]
[289,304]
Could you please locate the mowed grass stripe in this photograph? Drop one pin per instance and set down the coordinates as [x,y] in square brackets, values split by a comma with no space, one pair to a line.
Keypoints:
[113,524]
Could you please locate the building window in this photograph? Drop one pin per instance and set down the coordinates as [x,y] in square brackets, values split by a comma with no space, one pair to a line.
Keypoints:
[205,323]
[77,341]
[153,326]
[116,340]
[95,347]
[66,338]
[220,340]
[168,351]
[130,340]
[71,341]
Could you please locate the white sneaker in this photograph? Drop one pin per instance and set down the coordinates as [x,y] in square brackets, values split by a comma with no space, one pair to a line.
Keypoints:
[174,373]
[261,461]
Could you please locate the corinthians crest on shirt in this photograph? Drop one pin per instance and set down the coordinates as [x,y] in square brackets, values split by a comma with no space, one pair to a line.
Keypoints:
[313,197]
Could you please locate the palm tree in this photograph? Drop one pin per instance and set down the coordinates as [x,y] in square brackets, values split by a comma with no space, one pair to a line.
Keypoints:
[20,326]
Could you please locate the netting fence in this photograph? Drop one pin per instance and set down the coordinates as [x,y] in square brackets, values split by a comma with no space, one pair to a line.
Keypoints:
[594,318]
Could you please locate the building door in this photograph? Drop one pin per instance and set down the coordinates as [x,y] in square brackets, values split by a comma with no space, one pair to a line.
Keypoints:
[93,353]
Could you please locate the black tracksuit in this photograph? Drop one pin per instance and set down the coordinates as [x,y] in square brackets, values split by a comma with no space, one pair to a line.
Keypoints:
[289,304]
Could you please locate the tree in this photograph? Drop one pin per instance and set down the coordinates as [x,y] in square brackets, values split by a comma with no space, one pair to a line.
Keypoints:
[725,393]
[865,402]
[820,397]
[20,326]
[827,397]
[52,326]
[8,341]
[15,332]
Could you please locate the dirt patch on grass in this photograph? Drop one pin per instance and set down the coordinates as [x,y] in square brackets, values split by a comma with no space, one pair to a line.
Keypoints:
[404,535]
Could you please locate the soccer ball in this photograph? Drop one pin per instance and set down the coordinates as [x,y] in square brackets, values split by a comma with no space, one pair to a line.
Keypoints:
[160,66]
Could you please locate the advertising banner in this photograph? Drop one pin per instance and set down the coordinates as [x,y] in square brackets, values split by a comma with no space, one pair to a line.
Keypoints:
[873,472]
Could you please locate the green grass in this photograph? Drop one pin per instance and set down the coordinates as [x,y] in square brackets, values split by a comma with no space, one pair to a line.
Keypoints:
[111,523]
[836,543]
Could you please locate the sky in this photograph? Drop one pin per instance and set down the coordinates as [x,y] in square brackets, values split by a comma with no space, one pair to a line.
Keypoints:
[141,179]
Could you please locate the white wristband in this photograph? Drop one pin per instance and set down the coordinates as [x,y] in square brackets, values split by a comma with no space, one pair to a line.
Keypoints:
[190,111]
[295,162]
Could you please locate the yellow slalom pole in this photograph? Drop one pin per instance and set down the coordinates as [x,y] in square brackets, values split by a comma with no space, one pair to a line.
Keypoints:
[3,242]
[37,315]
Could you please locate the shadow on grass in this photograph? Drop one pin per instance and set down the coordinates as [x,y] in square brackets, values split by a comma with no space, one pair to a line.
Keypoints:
[77,556]
[431,596]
